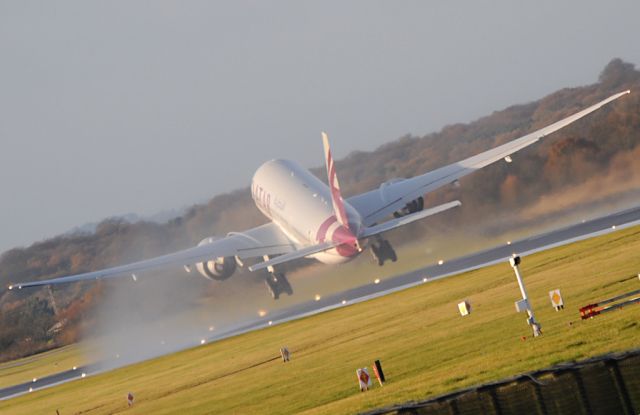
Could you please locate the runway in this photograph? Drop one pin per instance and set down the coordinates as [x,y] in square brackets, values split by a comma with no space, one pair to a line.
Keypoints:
[579,231]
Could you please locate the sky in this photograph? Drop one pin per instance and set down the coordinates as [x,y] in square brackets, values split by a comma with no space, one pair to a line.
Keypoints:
[109,108]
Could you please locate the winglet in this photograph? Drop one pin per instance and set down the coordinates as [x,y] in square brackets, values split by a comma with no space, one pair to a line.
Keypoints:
[334,186]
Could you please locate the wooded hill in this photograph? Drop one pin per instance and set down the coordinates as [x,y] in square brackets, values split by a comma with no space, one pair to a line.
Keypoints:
[597,156]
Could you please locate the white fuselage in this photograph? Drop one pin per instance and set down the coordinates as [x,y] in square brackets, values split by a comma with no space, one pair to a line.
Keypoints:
[300,204]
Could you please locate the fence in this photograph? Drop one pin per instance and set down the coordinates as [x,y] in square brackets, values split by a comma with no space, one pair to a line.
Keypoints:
[604,385]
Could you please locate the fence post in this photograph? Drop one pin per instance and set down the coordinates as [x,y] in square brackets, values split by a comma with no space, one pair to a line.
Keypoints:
[582,393]
[453,406]
[494,401]
[618,382]
[537,394]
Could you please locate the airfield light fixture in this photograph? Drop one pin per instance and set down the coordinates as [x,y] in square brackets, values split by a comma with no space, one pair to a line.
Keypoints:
[524,304]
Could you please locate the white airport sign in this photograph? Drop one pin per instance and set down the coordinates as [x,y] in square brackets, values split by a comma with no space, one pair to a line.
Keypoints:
[556,299]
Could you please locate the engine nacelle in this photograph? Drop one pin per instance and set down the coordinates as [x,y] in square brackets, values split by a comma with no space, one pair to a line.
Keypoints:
[218,269]
[412,207]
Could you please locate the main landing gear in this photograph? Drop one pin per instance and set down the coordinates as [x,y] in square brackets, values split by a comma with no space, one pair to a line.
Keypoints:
[277,282]
[381,250]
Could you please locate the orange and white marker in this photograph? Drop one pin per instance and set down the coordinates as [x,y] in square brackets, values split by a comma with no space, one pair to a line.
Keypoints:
[556,300]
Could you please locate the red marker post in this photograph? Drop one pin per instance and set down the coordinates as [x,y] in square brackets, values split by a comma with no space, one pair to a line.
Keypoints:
[377,370]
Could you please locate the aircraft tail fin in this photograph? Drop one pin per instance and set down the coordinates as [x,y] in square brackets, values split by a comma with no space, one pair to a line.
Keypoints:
[334,186]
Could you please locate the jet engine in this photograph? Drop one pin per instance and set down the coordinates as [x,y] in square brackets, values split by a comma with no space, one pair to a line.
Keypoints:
[414,206]
[218,269]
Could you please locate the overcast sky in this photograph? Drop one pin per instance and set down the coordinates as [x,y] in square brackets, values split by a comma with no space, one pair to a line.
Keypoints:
[114,107]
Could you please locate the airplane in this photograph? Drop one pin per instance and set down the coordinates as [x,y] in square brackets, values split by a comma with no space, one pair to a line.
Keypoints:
[309,219]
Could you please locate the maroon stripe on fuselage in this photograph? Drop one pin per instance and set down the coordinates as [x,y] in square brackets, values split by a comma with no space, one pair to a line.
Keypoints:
[346,241]
[321,235]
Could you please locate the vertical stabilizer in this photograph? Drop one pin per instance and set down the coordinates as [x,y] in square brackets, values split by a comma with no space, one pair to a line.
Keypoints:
[334,186]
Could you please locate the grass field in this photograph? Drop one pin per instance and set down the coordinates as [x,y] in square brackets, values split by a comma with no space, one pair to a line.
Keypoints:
[41,365]
[425,346]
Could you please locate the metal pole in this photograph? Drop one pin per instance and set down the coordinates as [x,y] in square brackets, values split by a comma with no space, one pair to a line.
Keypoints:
[523,290]
[531,320]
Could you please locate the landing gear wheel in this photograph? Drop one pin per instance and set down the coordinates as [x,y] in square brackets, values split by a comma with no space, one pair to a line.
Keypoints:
[392,254]
[277,284]
[388,251]
[382,250]
[376,254]
[284,284]
[272,286]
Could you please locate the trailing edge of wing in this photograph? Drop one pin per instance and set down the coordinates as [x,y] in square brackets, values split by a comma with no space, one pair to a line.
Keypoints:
[377,204]
[263,240]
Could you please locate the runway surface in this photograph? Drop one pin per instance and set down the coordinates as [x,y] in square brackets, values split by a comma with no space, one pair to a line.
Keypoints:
[496,254]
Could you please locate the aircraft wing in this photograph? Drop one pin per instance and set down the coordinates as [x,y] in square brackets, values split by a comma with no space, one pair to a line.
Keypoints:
[267,239]
[377,204]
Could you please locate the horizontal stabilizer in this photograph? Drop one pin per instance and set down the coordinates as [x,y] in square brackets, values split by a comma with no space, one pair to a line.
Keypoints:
[301,253]
[371,231]
[396,223]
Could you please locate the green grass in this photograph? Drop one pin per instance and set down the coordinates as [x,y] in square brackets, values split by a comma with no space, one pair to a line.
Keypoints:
[425,346]
[41,365]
